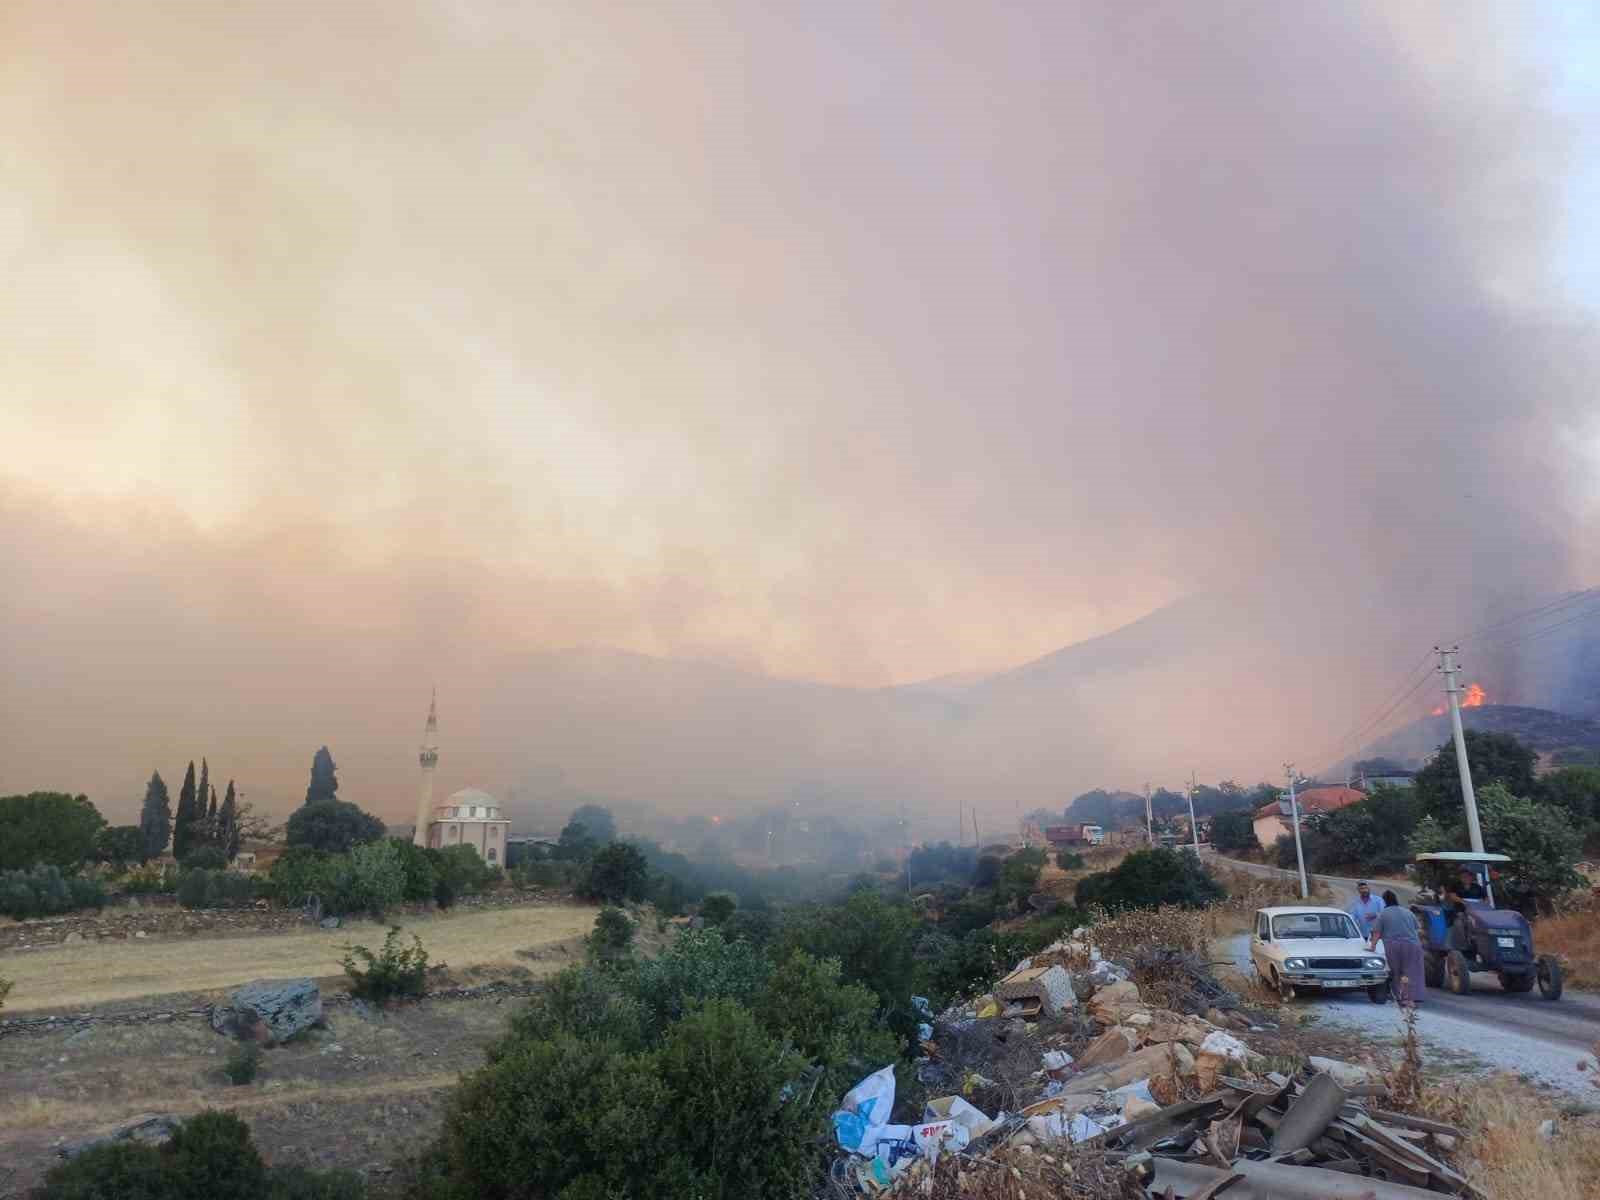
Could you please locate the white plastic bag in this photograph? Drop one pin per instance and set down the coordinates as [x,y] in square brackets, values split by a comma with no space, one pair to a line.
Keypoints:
[864,1112]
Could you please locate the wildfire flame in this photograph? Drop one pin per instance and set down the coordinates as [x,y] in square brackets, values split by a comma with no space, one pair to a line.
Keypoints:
[1475,697]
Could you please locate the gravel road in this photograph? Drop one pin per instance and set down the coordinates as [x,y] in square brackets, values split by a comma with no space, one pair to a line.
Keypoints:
[1520,1033]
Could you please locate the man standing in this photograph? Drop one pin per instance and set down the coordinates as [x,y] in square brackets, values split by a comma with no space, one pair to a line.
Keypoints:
[1366,909]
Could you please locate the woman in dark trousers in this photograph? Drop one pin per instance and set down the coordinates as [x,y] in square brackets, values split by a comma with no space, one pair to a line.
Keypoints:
[1396,928]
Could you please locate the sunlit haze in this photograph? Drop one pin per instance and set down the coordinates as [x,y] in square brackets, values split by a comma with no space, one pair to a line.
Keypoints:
[356,349]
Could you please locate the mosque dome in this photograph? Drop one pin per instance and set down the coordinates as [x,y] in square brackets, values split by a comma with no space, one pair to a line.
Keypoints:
[469,804]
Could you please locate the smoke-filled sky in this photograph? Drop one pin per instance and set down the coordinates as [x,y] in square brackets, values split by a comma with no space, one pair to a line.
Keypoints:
[350,348]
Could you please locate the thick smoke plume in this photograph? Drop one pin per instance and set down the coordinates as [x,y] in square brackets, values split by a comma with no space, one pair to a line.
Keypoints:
[858,345]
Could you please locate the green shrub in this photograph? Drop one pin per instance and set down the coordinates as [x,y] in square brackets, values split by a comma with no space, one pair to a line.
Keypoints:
[613,933]
[720,1110]
[5,990]
[304,1183]
[1068,861]
[616,873]
[119,845]
[754,925]
[243,1062]
[699,965]
[206,858]
[54,828]
[300,872]
[43,891]
[210,1156]
[215,889]
[332,826]
[716,908]
[378,878]
[588,1002]
[1150,879]
[121,1171]
[873,939]
[152,879]
[542,873]
[393,971]
[551,1117]
[462,869]
[833,1023]
[418,873]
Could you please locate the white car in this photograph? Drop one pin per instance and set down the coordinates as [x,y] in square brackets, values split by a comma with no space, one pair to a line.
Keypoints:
[1303,948]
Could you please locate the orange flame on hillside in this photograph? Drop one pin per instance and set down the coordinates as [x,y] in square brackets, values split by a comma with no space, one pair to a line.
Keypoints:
[1475,697]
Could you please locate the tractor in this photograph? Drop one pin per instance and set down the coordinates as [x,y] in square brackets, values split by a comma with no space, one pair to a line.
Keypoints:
[1462,933]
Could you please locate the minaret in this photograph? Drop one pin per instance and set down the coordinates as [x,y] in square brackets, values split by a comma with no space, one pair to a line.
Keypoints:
[429,758]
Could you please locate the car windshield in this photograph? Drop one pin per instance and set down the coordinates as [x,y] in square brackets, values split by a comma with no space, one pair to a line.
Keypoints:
[1314,925]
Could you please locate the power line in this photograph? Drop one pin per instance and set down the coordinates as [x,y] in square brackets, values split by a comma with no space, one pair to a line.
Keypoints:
[1566,601]
[1534,635]
[1359,730]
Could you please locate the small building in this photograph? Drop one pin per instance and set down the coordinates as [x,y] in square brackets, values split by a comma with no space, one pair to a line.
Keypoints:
[1274,820]
[1075,835]
[471,817]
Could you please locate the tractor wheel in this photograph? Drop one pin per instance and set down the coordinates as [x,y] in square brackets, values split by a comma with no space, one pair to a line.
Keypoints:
[1516,983]
[1549,977]
[1285,990]
[1457,976]
[1433,969]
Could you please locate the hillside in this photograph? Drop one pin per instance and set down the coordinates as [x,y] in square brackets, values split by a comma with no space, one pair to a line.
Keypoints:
[1557,737]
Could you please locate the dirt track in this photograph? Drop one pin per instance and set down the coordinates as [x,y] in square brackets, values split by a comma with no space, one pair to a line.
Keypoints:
[87,974]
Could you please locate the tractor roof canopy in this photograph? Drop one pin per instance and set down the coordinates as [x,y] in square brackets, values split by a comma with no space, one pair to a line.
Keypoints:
[1463,856]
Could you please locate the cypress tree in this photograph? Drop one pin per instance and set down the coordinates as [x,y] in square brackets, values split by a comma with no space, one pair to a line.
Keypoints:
[228,825]
[201,835]
[324,779]
[155,819]
[213,834]
[183,825]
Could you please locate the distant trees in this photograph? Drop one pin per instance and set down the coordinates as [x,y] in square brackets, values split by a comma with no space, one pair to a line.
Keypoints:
[184,823]
[596,821]
[1149,879]
[1234,830]
[228,825]
[617,873]
[1493,757]
[324,783]
[47,827]
[1540,839]
[333,826]
[155,818]
[119,845]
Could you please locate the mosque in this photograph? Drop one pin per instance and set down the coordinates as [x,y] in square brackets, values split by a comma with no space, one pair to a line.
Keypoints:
[469,817]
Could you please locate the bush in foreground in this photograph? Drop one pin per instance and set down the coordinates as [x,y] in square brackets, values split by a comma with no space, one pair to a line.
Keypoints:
[394,970]
[43,891]
[613,933]
[243,1063]
[618,872]
[1150,879]
[210,1156]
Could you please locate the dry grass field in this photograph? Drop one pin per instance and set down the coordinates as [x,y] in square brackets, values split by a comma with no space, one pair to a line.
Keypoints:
[89,974]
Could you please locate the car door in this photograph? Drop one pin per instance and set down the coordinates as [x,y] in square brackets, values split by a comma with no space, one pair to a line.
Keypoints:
[1259,944]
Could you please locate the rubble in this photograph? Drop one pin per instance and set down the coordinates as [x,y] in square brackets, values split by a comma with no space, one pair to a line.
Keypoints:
[1172,1100]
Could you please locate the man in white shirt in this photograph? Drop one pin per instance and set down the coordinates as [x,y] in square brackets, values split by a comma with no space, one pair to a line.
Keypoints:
[1366,909]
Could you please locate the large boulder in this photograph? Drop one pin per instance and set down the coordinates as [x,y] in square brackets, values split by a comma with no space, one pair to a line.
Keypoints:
[269,1010]
[153,1129]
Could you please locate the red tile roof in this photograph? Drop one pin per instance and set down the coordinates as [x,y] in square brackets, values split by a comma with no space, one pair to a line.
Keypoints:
[1314,800]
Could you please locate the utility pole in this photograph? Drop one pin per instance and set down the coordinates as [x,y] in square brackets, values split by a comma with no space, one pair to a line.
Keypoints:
[976,839]
[1294,810]
[1149,819]
[1194,826]
[1450,669]
[1452,690]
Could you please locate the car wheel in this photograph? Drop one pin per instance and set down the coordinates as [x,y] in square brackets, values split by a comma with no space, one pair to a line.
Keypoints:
[1549,977]
[1457,976]
[1285,990]
[1378,993]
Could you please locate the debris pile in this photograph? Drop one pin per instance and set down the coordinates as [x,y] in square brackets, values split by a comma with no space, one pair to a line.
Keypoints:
[1101,1083]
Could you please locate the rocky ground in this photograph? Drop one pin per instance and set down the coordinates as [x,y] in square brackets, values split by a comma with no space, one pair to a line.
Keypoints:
[359,1093]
